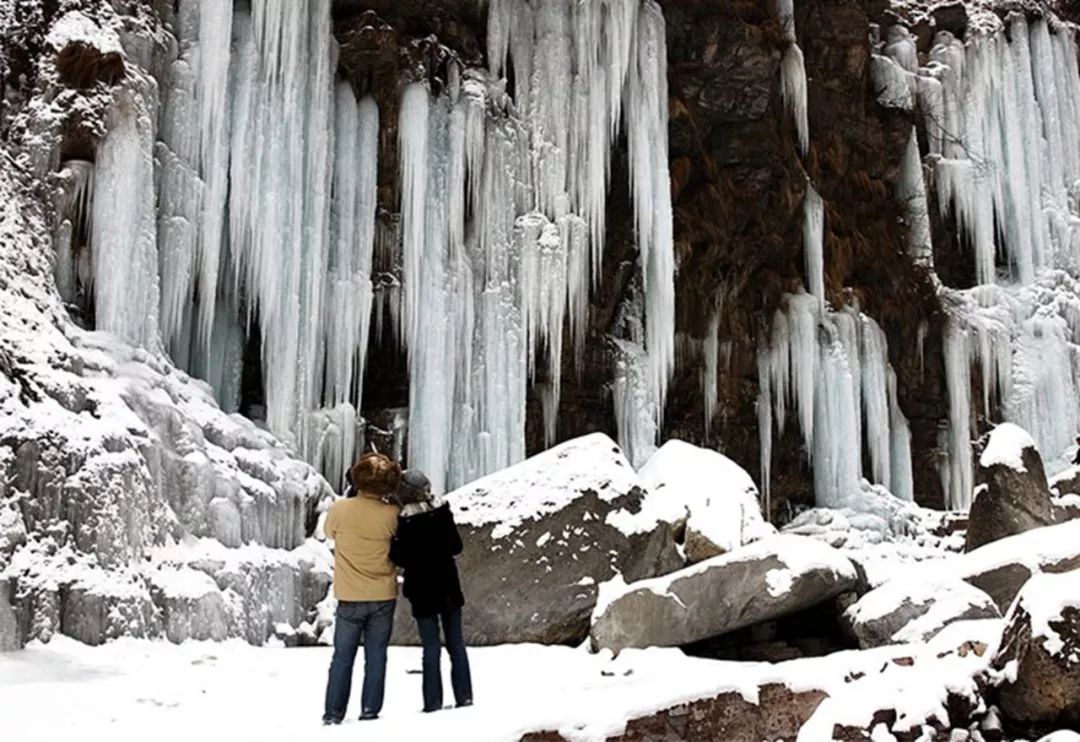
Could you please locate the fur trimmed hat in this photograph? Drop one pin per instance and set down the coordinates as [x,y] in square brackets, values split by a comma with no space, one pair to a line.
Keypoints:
[376,474]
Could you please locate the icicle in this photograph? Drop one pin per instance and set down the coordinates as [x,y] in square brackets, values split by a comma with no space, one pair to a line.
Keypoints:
[911,192]
[710,376]
[413,161]
[793,91]
[765,424]
[635,418]
[648,144]
[958,477]
[875,400]
[814,244]
[215,37]
[902,483]
[123,229]
[350,297]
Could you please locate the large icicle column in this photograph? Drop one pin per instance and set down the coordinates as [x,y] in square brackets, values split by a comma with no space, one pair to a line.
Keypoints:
[123,232]
[832,370]
[502,223]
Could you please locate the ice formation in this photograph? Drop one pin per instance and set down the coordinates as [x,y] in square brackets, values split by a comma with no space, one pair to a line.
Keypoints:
[793,74]
[265,221]
[833,369]
[1001,117]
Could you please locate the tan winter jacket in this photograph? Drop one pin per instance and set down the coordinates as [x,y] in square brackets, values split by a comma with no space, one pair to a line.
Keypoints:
[361,528]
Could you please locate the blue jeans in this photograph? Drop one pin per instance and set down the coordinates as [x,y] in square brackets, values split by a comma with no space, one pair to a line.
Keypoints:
[373,621]
[460,677]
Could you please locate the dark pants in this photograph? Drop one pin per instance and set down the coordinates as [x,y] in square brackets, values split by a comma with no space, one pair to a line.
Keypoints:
[372,621]
[460,677]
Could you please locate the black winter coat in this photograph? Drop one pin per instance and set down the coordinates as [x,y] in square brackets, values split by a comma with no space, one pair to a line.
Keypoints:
[425,547]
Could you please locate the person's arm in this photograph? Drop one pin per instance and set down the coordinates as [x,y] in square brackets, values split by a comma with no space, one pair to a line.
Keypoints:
[453,538]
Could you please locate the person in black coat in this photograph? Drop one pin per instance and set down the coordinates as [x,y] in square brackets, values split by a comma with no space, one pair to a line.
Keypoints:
[426,543]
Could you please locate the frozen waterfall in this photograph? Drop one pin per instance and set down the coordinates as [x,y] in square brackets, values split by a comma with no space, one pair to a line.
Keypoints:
[265,235]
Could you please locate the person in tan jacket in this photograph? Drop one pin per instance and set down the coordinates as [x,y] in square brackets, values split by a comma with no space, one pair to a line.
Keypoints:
[365,583]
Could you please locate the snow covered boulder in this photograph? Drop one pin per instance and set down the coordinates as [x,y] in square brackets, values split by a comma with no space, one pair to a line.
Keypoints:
[1039,654]
[910,609]
[1001,568]
[710,502]
[1011,492]
[770,578]
[541,535]
[95,611]
[192,605]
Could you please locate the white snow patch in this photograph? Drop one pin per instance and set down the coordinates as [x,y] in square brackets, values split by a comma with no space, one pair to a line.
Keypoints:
[1006,447]
[75,27]
[545,484]
[1045,597]
[702,488]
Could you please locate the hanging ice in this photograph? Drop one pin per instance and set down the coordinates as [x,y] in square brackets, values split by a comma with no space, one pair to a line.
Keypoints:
[834,368]
[123,230]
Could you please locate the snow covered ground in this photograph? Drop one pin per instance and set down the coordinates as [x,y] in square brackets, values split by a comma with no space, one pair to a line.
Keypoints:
[203,690]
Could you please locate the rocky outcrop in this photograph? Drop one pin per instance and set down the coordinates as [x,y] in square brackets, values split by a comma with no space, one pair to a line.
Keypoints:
[905,610]
[11,636]
[762,581]
[709,501]
[1001,568]
[539,537]
[1011,491]
[1039,655]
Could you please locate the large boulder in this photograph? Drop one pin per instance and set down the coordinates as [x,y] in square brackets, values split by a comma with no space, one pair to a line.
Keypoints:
[191,605]
[910,609]
[759,582]
[1002,567]
[1011,492]
[540,536]
[1039,654]
[710,502]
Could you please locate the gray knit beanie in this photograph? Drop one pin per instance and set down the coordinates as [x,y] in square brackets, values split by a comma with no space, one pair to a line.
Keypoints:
[415,487]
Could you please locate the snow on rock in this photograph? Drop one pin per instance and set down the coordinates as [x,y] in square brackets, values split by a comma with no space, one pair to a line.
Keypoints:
[1002,567]
[905,610]
[1039,656]
[540,536]
[764,580]
[546,483]
[709,500]
[1006,446]
[1011,492]
[75,27]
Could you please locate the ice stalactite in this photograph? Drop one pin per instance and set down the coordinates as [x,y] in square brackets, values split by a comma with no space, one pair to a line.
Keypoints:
[279,216]
[793,74]
[215,40]
[911,192]
[123,225]
[956,475]
[647,134]
[814,244]
[834,369]
[75,204]
[348,307]
[711,370]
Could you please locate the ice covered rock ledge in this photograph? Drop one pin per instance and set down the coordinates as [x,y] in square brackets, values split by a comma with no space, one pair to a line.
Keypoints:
[108,454]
